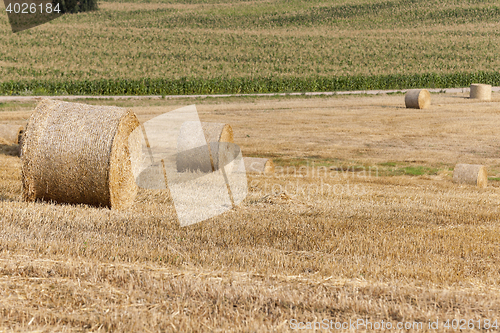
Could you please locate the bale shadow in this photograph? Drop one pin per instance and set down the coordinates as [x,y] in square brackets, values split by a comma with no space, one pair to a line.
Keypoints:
[5,198]
[10,150]
[392,106]
[460,97]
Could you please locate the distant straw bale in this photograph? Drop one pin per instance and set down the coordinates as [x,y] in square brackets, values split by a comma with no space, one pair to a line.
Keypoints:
[258,165]
[480,91]
[208,157]
[78,154]
[472,174]
[11,134]
[418,99]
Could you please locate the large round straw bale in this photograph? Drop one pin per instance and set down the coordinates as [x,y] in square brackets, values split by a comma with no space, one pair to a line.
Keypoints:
[258,165]
[77,153]
[480,91]
[11,134]
[418,99]
[205,158]
[472,174]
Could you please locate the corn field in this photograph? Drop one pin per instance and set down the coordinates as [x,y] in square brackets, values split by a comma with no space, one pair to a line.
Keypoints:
[221,85]
[173,47]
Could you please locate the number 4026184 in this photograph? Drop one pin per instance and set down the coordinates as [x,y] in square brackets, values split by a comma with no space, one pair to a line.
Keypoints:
[463,324]
[32,8]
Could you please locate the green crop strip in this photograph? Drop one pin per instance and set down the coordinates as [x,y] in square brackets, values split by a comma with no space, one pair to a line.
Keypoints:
[221,85]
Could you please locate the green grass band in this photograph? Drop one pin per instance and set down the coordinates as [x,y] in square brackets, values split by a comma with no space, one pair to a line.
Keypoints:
[221,85]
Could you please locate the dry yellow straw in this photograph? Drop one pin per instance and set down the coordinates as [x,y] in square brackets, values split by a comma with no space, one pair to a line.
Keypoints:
[77,153]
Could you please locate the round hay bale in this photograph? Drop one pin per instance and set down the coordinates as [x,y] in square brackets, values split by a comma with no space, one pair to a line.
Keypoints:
[11,134]
[480,91]
[472,174]
[418,99]
[78,154]
[193,154]
[217,132]
[258,165]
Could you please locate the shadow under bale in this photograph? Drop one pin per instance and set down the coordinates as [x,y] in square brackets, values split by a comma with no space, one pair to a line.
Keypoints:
[10,149]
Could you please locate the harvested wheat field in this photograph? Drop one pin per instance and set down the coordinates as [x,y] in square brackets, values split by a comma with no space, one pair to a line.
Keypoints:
[361,220]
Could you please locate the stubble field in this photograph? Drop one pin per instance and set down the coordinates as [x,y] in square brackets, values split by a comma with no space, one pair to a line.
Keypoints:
[361,221]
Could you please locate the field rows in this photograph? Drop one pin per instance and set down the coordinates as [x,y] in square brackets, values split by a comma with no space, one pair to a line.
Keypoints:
[259,41]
